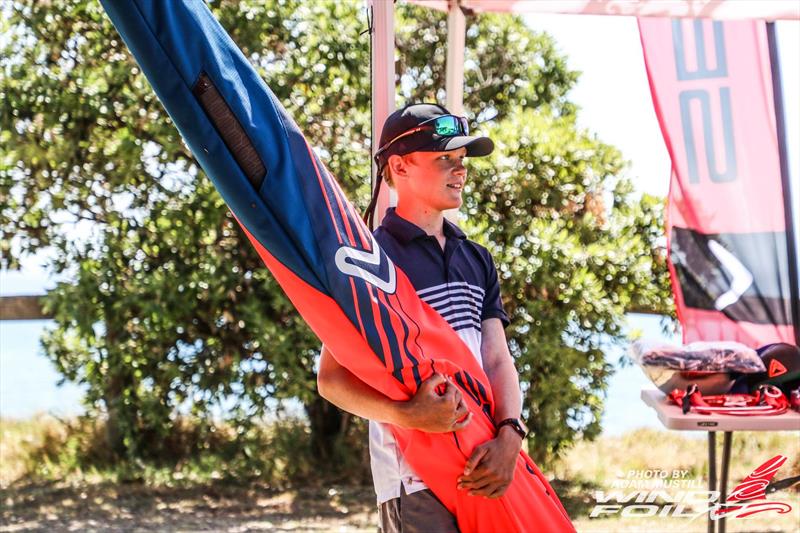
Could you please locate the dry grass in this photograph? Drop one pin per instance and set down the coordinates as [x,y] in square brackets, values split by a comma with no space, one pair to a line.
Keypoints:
[44,488]
[598,465]
[18,438]
[117,507]
[603,460]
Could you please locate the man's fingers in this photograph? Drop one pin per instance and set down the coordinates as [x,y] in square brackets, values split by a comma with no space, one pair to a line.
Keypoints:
[498,492]
[452,393]
[449,394]
[474,459]
[482,489]
[461,410]
[434,381]
[458,426]
[478,479]
[436,384]
[458,397]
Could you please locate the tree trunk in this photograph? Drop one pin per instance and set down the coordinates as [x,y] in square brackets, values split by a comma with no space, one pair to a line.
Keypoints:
[113,394]
[329,426]
[115,437]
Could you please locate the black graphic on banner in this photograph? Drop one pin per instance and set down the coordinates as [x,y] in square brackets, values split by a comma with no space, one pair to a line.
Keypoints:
[745,275]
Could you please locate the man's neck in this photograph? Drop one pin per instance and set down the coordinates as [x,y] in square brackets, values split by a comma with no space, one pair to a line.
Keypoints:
[431,221]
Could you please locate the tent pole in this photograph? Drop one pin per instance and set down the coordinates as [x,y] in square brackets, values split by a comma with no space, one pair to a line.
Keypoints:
[777,93]
[456,35]
[383,91]
[454,79]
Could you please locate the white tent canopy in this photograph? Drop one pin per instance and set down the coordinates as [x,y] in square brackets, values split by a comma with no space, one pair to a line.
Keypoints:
[714,9]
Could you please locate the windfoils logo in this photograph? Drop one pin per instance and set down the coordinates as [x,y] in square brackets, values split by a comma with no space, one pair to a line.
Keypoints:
[671,493]
[744,499]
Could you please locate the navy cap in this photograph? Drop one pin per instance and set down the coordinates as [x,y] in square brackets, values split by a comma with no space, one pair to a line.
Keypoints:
[413,115]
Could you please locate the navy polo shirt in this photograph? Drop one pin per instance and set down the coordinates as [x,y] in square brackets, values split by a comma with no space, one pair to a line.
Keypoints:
[459,282]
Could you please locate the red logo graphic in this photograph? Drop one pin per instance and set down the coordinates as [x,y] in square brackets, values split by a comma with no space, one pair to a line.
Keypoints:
[743,500]
[776,368]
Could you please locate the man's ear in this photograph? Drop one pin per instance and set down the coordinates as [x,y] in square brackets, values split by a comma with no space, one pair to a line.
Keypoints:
[399,167]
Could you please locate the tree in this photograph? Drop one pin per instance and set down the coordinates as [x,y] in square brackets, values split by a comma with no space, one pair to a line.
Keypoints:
[170,307]
[574,253]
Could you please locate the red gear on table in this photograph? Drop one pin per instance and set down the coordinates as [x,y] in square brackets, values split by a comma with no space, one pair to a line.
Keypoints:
[768,400]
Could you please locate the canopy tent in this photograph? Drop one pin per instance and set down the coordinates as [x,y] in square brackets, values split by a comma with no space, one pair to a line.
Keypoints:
[775,311]
[712,9]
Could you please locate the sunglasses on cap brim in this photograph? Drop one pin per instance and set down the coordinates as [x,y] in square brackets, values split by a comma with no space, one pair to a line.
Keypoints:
[444,125]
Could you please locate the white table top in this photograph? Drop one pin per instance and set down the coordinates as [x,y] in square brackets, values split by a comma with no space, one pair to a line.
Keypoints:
[673,418]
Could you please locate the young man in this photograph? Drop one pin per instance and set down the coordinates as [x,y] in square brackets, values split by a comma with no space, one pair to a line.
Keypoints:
[421,155]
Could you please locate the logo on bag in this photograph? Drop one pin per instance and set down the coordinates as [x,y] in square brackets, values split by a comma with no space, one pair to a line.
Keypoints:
[368,266]
[776,368]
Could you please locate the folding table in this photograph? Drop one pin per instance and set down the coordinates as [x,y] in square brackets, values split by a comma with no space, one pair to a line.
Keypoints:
[672,417]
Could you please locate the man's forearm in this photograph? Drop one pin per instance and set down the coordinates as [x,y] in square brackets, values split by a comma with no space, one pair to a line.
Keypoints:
[489,470]
[499,367]
[504,380]
[428,410]
[344,390]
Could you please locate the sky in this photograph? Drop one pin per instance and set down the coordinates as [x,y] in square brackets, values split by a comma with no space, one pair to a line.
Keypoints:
[613,85]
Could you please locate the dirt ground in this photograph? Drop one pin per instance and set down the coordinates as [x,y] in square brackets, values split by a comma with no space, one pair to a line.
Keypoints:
[93,501]
[136,507]
[114,507]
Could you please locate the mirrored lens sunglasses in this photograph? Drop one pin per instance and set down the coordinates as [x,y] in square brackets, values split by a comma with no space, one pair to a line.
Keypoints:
[444,125]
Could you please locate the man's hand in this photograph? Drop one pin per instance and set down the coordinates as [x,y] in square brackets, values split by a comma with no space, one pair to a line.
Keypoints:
[431,412]
[490,469]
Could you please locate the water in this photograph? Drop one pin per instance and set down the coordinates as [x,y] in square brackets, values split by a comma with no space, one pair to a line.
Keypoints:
[29,382]
[624,409]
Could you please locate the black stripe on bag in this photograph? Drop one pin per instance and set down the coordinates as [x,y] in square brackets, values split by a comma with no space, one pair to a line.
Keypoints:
[460,381]
[230,130]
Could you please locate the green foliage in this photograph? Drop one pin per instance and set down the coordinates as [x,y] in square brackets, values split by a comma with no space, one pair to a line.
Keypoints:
[574,251]
[507,67]
[169,310]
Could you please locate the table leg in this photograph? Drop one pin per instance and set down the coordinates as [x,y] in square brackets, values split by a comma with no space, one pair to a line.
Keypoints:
[712,471]
[723,482]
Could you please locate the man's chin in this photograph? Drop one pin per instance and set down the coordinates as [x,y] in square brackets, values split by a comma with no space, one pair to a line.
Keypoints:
[452,204]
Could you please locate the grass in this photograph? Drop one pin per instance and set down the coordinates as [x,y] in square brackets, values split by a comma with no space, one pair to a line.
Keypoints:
[46,485]
[210,507]
[44,448]
[43,486]
[670,450]
[16,438]
[609,461]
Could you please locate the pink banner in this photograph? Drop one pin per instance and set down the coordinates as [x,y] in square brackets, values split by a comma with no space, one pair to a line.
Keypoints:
[712,91]
[712,9]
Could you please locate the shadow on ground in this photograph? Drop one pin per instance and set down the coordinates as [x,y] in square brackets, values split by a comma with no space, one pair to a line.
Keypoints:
[221,507]
[49,506]
[576,495]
